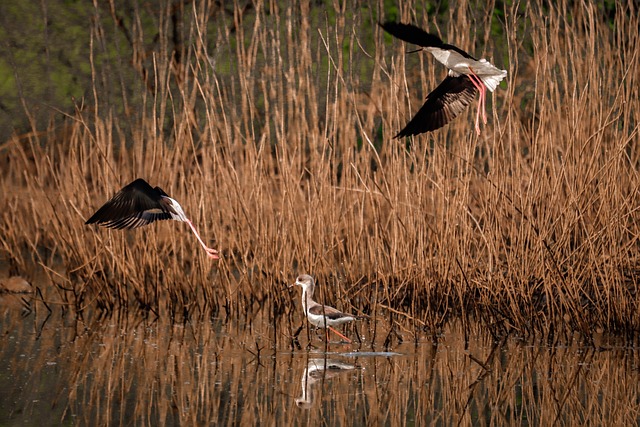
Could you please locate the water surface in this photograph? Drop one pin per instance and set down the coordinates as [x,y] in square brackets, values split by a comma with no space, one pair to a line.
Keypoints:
[127,369]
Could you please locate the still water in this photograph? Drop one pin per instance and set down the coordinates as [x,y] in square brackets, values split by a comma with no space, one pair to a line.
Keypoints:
[127,370]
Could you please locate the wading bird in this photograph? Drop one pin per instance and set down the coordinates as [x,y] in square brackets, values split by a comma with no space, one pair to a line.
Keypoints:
[321,316]
[139,204]
[466,76]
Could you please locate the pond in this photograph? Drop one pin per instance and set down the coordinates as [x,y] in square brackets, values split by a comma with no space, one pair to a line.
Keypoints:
[125,369]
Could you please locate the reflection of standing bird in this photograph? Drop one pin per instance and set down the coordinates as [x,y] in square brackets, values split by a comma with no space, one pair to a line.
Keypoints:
[457,90]
[139,204]
[316,370]
[321,316]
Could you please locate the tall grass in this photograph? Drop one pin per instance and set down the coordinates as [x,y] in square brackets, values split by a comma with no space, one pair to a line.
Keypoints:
[273,128]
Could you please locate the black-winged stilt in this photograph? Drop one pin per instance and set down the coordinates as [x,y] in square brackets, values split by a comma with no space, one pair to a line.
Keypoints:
[457,90]
[139,204]
[321,316]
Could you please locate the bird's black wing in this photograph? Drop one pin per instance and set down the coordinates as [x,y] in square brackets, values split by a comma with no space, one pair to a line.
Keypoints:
[328,312]
[412,34]
[135,205]
[444,104]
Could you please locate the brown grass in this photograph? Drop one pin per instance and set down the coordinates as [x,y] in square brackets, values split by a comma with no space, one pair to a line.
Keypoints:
[283,152]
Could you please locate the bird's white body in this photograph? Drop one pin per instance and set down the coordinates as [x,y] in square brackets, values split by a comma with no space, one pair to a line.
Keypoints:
[321,320]
[458,65]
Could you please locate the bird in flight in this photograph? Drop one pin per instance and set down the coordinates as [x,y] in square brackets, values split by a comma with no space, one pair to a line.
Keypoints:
[466,76]
[139,204]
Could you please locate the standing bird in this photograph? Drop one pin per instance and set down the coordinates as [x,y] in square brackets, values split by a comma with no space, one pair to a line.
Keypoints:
[321,316]
[457,90]
[139,204]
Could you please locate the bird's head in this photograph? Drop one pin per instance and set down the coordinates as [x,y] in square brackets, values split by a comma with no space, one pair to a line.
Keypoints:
[304,280]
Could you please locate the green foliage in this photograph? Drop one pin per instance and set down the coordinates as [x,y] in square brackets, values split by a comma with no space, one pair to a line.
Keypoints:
[43,58]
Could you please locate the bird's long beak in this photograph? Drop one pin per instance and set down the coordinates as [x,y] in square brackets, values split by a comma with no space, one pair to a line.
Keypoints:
[293,284]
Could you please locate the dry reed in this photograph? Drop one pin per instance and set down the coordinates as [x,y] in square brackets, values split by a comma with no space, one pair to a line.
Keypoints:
[273,129]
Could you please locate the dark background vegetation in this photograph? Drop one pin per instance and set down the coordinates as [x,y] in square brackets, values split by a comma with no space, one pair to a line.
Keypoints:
[56,54]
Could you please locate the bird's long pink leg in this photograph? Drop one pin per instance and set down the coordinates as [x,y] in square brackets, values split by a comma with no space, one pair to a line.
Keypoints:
[343,337]
[483,108]
[483,93]
[477,82]
[211,253]
[478,85]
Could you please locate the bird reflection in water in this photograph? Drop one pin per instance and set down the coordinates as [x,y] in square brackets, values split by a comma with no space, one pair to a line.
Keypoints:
[317,371]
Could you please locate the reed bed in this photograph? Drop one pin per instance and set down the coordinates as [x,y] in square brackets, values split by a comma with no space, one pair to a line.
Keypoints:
[273,127]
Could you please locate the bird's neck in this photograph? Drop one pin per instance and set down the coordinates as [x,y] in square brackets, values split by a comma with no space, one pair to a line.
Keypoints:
[178,213]
[307,300]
